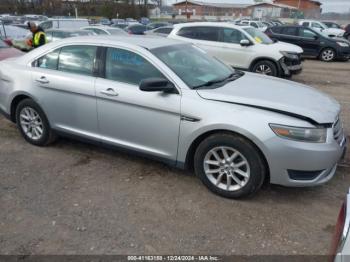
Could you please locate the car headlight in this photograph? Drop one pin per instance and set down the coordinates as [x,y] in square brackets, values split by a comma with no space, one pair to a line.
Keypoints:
[303,134]
[342,44]
[290,55]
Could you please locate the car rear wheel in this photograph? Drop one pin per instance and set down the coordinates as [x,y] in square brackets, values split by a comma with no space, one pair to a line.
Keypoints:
[33,124]
[229,165]
[265,67]
[327,55]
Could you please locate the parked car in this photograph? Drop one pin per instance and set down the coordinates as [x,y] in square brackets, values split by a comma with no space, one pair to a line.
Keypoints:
[13,32]
[121,26]
[347,32]
[313,43]
[65,23]
[7,51]
[155,25]
[257,24]
[172,101]
[144,20]
[57,34]
[136,29]
[160,31]
[104,30]
[321,27]
[131,21]
[332,25]
[105,21]
[242,47]
[340,250]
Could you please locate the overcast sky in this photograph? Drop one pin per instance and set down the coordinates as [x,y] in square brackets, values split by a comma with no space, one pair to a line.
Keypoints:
[328,5]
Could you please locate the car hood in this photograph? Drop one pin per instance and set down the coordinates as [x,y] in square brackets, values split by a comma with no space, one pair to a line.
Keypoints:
[335,31]
[6,53]
[277,95]
[282,46]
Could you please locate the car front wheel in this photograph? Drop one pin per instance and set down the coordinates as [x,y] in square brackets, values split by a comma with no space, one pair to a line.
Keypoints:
[265,67]
[33,124]
[229,165]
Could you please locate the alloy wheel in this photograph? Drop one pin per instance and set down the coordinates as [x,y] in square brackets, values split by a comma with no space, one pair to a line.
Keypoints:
[263,69]
[226,168]
[31,123]
[328,55]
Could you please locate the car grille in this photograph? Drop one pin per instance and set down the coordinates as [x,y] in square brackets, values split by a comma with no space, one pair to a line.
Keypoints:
[338,131]
[293,62]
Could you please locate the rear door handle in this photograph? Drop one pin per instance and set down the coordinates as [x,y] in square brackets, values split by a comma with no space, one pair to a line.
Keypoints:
[42,80]
[109,92]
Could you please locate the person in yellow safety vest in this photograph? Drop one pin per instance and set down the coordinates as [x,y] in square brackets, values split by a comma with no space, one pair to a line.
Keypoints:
[39,37]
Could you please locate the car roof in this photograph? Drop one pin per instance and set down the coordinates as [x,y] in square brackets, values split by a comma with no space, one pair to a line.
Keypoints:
[68,30]
[141,41]
[217,24]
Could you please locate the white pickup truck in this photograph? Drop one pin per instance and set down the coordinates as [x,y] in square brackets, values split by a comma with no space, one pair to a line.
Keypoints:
[321,27]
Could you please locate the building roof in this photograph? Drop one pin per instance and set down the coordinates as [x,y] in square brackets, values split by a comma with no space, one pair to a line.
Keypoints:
[313,1]
[276,5]
[219,5]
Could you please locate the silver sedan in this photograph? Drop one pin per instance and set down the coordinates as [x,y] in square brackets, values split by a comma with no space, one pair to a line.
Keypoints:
[173,102]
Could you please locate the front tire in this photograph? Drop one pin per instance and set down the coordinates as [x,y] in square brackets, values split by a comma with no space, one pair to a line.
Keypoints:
[327,55]
[33,124]
[265,67]
[229,165]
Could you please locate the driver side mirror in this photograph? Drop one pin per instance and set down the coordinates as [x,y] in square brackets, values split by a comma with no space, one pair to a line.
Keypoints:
[315,37]
[245,42]
[157,85]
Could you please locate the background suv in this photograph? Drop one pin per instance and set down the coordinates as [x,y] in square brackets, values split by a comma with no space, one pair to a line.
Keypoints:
[312,42]
[242,47]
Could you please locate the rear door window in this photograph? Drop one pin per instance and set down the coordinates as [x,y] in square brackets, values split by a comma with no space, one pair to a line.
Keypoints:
[292,31]
[201,33]
[77,59]
[276,30]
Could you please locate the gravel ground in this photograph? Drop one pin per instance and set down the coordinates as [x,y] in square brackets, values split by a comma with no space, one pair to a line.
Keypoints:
[74,198]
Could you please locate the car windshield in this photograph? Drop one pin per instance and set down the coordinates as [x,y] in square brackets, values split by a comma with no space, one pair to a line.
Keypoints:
[323,25]
[260,24]
[258,36]
[194,66]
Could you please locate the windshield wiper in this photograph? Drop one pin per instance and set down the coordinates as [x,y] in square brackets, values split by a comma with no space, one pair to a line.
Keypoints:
[229,78]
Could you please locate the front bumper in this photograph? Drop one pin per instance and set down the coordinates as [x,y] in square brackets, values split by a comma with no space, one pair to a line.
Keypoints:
[299,164]
[343,53]
[290,66]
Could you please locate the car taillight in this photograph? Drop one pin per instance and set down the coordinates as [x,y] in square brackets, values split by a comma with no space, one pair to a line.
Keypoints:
[341,228]
[338,234]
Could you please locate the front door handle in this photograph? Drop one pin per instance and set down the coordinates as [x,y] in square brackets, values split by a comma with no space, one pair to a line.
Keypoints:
[43,80]
[109,92]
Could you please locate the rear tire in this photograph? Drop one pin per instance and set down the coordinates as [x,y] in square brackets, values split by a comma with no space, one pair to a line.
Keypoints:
[229,165]
[327,55]
[33,124]
[265,67]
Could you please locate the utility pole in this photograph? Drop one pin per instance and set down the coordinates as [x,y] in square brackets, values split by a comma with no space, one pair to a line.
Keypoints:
[186,11]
